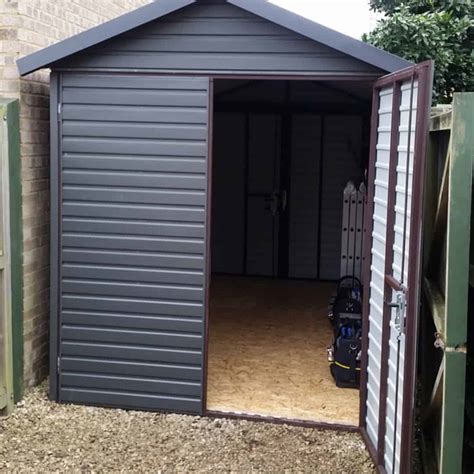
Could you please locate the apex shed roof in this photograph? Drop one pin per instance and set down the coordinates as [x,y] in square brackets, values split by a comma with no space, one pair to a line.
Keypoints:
[262,8]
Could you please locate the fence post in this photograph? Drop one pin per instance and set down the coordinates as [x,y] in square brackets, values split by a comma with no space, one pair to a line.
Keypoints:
[11,259]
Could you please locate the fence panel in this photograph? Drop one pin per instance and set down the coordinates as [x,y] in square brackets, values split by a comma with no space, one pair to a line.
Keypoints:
[446,284]
[6,360]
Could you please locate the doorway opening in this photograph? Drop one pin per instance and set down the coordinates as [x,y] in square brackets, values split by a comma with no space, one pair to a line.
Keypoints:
[283,153]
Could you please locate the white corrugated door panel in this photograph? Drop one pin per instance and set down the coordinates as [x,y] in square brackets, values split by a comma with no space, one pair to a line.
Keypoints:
[133,210]
[401,229]
[396,222]
[377,261]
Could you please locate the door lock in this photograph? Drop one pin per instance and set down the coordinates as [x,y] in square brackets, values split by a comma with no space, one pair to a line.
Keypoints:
[399,306]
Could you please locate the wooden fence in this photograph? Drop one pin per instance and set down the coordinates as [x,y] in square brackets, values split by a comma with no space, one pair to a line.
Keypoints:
[10,256]
[444,315]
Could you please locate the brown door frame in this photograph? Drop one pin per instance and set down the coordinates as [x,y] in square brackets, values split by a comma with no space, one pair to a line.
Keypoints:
[423,72]
[425,78]
[207,263]
[205,411]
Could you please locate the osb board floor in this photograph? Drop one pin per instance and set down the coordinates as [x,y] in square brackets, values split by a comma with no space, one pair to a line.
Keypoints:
[267,351]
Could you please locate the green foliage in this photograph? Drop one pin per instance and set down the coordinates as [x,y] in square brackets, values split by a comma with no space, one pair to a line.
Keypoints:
[461,7]
[430,29]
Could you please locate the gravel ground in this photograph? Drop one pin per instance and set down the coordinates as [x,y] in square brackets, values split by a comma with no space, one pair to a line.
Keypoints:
[42,437]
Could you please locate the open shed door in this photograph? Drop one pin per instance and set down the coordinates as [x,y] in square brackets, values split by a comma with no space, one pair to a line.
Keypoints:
[401,103]
[129,182]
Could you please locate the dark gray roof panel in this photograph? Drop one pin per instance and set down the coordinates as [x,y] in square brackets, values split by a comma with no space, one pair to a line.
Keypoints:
[322,34]
[278,16]
[214,39]
[47,56]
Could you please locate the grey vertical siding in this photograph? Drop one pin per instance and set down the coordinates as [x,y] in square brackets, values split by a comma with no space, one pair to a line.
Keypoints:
[263,180]
[228,193]
[218,38]
[133,208]
[341,163]
[304,196]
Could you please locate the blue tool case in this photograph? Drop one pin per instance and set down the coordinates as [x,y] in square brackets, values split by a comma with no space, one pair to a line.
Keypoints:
[345,314]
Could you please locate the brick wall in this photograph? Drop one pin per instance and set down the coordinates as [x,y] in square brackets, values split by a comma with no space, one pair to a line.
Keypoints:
[25,27]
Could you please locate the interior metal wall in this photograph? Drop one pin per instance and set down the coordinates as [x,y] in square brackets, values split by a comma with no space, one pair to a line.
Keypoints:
[263,178]
[130,289]
[342,161]
[304,201]
[228,191]
[315,197]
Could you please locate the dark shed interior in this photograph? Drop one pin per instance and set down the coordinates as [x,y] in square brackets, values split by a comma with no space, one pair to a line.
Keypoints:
[283,152]
[291,144]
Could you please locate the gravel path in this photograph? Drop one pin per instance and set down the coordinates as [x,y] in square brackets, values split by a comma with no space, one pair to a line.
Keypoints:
[42,436]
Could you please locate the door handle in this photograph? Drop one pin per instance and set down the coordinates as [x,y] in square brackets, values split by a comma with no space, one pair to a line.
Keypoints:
[393,283]
[272,201]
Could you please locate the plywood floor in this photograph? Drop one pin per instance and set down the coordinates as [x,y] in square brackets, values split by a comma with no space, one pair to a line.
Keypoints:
[267,351]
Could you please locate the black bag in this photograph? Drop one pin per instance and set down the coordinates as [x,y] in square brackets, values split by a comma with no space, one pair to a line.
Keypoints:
[346,310]
[346,305]
[345,313]
[346,355]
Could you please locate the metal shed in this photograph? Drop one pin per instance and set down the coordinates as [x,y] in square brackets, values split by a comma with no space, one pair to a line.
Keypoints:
[137,106]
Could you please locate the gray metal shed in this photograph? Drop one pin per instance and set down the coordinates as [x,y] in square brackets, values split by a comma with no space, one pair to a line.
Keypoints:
[134,106]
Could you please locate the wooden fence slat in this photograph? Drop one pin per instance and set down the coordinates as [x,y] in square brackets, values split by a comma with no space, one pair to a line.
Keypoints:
[446,281]
[11,250]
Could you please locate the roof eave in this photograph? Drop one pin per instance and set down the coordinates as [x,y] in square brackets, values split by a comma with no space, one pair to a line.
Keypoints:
[98,34]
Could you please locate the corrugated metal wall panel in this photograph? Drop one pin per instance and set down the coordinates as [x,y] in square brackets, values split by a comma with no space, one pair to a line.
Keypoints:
[377,268]
[133,216]
[218,38]
[401,258]
[263,180]
[228,193]
[342,150]
[341,163]
[304,196]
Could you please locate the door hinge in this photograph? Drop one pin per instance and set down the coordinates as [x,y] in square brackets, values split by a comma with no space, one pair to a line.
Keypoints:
[59,111]
[58,364]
